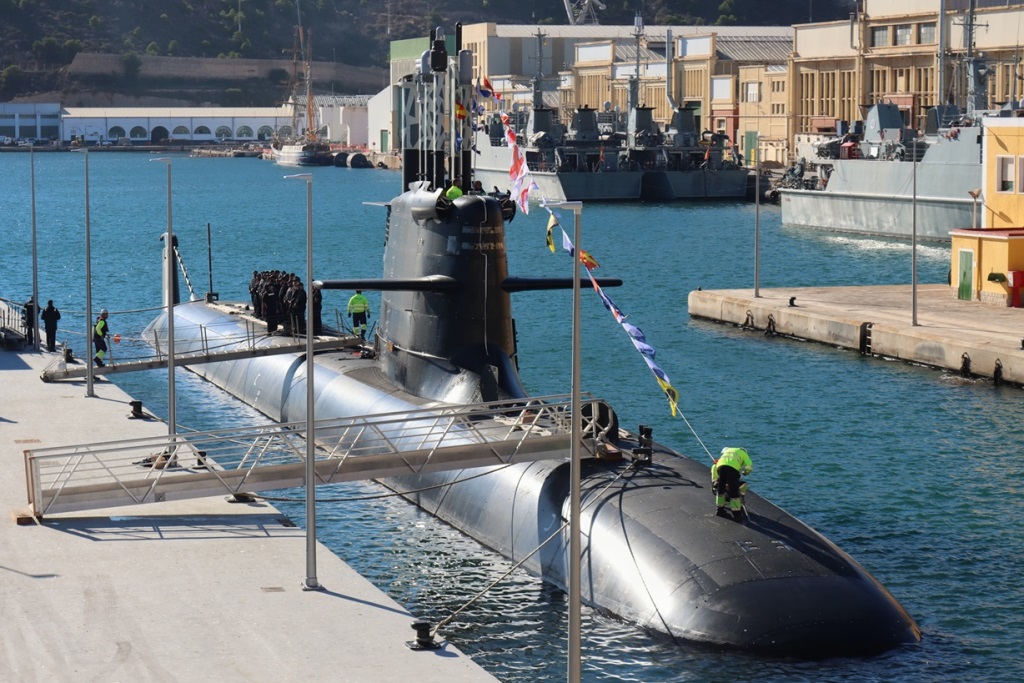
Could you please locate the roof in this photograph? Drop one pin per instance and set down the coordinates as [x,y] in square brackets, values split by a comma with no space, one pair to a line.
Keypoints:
[754,48]
[176,112]
[602,32]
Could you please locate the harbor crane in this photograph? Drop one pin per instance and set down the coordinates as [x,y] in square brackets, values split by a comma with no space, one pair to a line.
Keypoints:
[581,12]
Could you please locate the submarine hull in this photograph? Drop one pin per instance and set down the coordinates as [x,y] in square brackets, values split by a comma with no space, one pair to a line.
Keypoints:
[653,550]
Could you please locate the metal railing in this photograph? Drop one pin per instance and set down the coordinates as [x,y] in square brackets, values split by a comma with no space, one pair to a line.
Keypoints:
[258,458]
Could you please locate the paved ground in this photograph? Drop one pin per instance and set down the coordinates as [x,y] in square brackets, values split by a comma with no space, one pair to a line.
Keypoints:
[200,590]
[882,318]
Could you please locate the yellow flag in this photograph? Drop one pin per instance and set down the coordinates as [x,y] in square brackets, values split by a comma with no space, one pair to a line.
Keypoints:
[671,394]
[552,222]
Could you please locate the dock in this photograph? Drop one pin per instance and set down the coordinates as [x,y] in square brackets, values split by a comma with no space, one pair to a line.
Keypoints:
[196,589]
[966,337]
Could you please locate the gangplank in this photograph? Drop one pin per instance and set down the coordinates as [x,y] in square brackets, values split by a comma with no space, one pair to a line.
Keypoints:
[251,459]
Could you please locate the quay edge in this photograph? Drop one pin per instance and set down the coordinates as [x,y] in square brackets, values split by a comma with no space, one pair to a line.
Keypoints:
[189,590]
[878,320]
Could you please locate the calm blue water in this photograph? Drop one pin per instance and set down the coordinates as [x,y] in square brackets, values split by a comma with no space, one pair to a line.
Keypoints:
[914,472]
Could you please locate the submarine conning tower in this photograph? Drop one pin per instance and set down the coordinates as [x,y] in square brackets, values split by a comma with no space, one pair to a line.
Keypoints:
[450,338]
[429,340]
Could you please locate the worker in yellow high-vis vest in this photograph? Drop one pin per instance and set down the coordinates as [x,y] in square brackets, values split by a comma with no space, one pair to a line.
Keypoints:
[725,477]
[359,309]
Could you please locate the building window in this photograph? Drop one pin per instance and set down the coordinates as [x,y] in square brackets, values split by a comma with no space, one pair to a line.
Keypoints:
[926,34]
[903,34]
[880,36]
[1005,170]
[751,92]
[720,127]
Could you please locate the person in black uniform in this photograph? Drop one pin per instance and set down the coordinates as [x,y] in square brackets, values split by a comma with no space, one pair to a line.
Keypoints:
[50,316]
[29,318]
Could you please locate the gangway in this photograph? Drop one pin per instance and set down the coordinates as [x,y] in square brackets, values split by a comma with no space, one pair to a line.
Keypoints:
[59,370]
[241,460]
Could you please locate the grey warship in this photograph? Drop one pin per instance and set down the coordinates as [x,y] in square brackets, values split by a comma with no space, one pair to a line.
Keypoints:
[653,550]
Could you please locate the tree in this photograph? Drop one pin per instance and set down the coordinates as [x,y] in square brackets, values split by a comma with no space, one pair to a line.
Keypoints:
[12,81]
[153,49]
[47,50]
[132,65]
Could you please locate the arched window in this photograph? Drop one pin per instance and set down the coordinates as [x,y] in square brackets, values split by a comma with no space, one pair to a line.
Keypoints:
[115,133]
[181,130]
[265,133]
[284,132]
[223,132]
[202,130]
[138,132]
[244,132]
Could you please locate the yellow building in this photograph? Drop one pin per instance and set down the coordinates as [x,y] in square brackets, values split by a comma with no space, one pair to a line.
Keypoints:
[905,52]
[988,262]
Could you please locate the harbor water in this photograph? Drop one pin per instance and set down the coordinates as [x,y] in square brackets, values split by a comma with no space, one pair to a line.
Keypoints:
[913,471]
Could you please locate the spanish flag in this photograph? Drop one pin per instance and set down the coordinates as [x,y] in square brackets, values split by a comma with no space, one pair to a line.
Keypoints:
[460,110]
[587,260]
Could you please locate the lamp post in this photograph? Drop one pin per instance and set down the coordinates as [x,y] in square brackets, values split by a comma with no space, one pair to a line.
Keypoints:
[88,284]
[757,215]
[913,246]
[311,583]
[575,613]
[169,302]
[33,323]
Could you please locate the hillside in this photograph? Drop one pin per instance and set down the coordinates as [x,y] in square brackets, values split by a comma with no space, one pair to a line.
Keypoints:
[40,38]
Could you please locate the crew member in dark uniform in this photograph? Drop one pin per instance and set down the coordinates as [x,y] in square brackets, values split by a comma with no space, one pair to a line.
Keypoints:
[50,316]
[29,318]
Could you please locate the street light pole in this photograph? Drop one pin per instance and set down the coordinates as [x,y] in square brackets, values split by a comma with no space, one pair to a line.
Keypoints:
[757,215]
[311,583]
[575,487]
[33,323]
[89,331]
[169,302]
[913,246]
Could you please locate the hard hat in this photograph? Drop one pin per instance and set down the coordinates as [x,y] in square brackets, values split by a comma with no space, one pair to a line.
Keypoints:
[104,312]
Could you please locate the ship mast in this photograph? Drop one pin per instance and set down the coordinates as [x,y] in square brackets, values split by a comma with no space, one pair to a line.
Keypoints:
[311,131]
[634,80]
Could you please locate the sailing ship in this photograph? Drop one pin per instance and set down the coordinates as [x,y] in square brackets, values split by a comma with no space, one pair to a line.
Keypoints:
[307,149]
[654,552]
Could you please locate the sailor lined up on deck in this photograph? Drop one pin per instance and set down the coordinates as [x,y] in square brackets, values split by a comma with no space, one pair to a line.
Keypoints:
[359,309]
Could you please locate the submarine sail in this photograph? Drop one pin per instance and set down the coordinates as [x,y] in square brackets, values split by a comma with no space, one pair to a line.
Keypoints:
[654,552]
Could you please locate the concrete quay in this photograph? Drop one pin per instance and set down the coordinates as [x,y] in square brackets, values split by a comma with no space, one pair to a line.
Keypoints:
[196,590]
[985,340]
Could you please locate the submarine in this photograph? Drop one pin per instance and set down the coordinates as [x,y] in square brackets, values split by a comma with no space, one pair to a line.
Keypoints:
[653,550]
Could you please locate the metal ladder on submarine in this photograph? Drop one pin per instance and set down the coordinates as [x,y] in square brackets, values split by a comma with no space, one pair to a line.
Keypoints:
[653,550]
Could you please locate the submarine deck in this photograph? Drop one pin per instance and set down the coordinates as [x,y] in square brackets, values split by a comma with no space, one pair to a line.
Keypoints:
[195,589]
[967,337]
